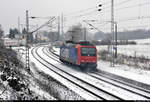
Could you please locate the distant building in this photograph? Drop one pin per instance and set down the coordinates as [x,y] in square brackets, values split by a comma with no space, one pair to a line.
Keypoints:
[19,36]
[14,42]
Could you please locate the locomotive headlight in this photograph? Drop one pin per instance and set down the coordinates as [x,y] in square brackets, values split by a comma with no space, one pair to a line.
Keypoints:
[93,61]
[82,61]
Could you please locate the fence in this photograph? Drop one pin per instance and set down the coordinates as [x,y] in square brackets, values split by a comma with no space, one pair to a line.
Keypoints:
[136,61]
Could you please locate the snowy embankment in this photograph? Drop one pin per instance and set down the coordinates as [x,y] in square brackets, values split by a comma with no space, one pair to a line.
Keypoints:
[15,81]
[34,79]
[123,70]
[42,83]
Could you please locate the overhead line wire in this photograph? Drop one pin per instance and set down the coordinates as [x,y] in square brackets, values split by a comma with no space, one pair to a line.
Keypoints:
[132,6]
[80,15]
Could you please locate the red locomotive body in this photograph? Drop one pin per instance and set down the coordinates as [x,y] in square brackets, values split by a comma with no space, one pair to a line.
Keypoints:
[87,55]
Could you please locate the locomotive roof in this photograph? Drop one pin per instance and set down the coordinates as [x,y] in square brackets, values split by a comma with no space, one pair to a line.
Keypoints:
[86,43]
[81,43]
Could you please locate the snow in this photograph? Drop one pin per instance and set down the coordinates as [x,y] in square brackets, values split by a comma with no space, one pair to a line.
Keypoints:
[123,70]
[126,71]
[141,49]
[40,67]
[130,50]
[59,78]
[142,41]
[115,90]
[33,85]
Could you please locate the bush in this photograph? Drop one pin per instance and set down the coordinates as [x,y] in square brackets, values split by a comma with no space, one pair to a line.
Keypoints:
[103,54]
[15,84]
[3,77]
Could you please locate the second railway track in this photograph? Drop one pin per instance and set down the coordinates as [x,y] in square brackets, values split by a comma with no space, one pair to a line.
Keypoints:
[89,88]
[120,84]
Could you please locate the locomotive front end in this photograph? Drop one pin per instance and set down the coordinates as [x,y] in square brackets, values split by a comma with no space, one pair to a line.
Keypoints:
[88,56]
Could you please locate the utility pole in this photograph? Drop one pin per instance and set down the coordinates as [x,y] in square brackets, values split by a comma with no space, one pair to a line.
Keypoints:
[18,24]
[116,39]
[85,34]
[27,38]
[62,24]
[58,27]
[112,33]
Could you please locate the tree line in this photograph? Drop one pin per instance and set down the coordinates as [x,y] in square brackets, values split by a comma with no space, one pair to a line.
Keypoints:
[14,31]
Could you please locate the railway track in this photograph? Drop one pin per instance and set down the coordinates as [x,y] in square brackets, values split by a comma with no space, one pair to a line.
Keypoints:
[123,85]
[89,88]
[120,84]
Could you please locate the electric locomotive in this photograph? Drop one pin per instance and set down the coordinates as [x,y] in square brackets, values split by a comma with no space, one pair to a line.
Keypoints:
[82,54]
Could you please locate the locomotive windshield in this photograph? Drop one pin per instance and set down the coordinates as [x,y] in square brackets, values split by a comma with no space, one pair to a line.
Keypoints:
[88,51]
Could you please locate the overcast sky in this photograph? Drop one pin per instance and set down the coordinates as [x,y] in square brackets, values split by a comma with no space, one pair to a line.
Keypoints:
[72,9]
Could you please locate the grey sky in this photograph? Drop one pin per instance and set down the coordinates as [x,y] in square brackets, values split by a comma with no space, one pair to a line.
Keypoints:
[12,9]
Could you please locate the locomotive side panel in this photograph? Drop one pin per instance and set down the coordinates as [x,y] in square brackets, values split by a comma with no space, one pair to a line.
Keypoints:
[73,55]
[69,54]
[64,53]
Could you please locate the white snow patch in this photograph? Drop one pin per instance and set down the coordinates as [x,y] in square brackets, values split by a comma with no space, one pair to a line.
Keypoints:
[142,41]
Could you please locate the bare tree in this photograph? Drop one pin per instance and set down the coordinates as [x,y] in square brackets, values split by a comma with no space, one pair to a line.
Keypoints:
[1,32]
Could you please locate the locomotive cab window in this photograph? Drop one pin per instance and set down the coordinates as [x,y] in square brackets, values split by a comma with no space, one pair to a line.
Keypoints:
[88,52]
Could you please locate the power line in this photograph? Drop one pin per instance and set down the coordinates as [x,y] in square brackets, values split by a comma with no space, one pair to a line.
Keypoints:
[127,27]
[80,11]
[128,19]
[123,2]
[123,20]
[135,26]
[89,12]
[94,11]
[95,7]
[84,14]
[117,4]
[51,20]
[85,10]
[134,18]
[146,3]
[132,6]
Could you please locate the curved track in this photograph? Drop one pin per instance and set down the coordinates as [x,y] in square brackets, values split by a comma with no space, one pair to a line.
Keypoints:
[120,84]
[89,88]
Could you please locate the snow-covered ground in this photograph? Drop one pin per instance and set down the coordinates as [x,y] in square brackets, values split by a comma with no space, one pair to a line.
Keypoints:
[141,49]
[64,94]
[34,84]
[123,70]
[130,50]
[105,86]
[143,41]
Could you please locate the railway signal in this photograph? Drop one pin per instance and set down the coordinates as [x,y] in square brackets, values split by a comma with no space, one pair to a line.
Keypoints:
[100,5]
[112,32]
